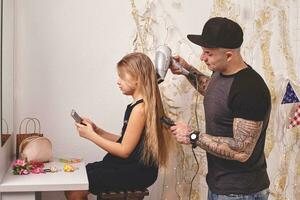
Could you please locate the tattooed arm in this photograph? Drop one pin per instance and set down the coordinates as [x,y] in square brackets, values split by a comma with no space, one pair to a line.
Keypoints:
[240,147]
[203,80]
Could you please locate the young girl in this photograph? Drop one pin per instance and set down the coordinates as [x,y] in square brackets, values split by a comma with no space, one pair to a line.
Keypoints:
[133,158]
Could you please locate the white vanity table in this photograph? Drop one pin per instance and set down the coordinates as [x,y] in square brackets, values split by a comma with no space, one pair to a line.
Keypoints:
[28,187]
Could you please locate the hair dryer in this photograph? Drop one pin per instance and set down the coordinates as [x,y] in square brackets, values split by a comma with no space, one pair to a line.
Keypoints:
[163,60]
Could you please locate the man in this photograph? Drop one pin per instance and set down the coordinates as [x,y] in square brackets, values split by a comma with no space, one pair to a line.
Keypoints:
[237,107]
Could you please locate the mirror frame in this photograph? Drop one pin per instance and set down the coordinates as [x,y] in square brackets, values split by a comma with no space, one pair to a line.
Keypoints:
[1,78]
[6,67]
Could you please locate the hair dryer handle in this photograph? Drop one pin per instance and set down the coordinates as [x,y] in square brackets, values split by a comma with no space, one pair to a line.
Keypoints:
[179,66]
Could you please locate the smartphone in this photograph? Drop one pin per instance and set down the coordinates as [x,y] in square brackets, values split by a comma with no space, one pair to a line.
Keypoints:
[76,117]
[167,121]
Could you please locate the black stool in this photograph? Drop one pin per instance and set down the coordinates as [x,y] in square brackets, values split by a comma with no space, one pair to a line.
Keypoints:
[123,195]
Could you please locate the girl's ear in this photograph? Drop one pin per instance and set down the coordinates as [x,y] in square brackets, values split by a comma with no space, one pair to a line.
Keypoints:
[134,85]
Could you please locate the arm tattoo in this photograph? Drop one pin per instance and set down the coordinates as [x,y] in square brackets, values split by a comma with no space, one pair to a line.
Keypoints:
[203,80]
[240,147]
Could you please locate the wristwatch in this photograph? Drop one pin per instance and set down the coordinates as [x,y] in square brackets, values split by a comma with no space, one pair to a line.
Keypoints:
[194,136]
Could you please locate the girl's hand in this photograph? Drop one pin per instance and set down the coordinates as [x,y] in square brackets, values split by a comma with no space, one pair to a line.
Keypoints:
[91,122]
[85,131]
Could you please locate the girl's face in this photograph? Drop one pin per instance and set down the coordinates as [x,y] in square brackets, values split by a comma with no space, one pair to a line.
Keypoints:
[127,83]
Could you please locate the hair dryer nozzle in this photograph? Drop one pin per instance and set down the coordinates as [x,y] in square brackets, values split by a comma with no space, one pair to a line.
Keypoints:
[162,61]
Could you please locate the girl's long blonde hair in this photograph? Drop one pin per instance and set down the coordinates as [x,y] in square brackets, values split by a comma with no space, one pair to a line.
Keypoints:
[157,139]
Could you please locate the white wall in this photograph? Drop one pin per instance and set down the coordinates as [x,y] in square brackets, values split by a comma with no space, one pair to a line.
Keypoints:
[65,57]
[66,51]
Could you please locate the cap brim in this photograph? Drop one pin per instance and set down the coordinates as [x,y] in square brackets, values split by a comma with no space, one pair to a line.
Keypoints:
[199,40]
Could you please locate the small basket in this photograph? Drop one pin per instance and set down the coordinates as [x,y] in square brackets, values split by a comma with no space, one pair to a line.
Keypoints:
[21,136]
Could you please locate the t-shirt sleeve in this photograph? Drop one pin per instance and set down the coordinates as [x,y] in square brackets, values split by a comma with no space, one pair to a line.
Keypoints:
[250,105]
[249,97]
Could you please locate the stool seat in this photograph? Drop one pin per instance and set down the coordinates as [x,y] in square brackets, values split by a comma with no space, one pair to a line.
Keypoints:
[123,195]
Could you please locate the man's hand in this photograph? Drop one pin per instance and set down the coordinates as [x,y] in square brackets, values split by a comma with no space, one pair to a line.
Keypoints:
[174,69]
[181,132]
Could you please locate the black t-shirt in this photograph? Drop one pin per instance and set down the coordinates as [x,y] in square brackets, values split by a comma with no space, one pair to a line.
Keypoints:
[242,95]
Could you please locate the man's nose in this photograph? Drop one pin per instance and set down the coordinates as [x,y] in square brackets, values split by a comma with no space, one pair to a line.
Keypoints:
[202,57]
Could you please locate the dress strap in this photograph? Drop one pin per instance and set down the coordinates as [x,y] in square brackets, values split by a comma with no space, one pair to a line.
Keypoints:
[137,102]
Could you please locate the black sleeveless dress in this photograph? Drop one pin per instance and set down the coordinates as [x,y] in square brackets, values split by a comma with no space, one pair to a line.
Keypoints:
[115,173]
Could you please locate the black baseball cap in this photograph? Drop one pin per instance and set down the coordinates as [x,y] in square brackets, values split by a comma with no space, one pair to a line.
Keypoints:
[219,32]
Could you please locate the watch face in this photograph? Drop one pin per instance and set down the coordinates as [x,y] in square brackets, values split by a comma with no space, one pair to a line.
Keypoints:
[193,136]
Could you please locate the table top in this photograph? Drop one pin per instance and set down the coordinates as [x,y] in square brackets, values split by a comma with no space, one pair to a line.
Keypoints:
[58,181]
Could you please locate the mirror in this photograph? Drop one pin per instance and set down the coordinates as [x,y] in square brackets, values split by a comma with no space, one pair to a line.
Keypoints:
[1,72]
[6,66]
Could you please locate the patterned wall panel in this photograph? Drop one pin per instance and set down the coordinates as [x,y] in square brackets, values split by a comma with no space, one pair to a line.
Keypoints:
[271,46]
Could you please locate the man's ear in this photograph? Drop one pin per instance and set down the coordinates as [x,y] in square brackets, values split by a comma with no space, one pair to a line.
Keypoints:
[228,55]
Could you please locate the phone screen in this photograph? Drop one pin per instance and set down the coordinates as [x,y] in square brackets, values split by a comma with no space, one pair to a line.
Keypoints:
[76,117]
